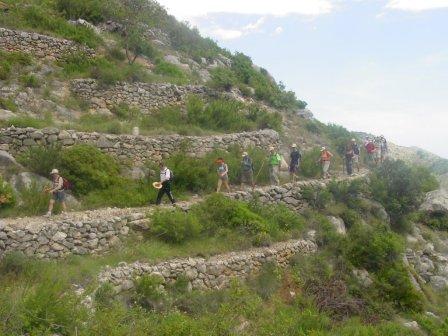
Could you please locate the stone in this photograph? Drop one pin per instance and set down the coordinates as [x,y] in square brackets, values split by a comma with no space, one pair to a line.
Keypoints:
[338,224]
[6,114]
[26,180]
[439,282]
[59,236]
[411,325]
[436,202]
[363,277]
[8,162]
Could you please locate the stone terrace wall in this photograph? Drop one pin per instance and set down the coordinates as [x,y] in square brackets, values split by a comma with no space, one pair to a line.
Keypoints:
[90,232]
[213,273]
[39,45]
[136,148]
[145,96]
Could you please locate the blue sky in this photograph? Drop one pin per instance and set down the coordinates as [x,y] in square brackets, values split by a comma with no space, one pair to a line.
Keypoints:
[371,65]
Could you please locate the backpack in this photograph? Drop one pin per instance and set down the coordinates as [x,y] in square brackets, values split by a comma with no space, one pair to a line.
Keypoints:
[171,175]
[66,184]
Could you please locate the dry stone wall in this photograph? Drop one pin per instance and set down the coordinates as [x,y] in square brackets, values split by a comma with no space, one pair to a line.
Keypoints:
[39,45]
[90,232]
[213,273]
[138,149]
[145,96]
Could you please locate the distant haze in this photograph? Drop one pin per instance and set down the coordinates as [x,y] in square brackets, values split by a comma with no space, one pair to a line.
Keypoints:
[375,66]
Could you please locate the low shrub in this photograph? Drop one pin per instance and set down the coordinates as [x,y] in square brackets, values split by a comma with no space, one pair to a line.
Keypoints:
[30,81]
[373,248]
[13,263]
[7,197]
[149,294]
[89,169]
[436,221]
[267,282]
[7,104]
[175,226]
[41,160]
[23,122]
[104,296]
[168,69]
[308,164]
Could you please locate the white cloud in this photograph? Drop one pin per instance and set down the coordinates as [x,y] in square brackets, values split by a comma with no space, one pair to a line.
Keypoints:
[185,10]
[256,25]
[226,34]
[417,5]
[278,31]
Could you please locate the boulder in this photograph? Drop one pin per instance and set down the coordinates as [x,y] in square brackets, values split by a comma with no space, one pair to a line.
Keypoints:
[439,282]
[7,162]
[338,224]
[436,202]
[6,114]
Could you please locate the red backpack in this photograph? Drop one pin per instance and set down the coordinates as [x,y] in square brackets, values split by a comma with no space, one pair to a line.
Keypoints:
[66,184]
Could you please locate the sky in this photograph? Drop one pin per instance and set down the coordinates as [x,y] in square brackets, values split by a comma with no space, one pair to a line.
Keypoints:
[379,66]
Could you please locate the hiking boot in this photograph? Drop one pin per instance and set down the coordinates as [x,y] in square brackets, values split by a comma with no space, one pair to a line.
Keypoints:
[47,215]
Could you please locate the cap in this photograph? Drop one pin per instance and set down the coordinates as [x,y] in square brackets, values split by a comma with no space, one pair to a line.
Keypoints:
[54,171]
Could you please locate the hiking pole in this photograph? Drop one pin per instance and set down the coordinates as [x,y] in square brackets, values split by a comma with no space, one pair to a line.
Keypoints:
[259,171]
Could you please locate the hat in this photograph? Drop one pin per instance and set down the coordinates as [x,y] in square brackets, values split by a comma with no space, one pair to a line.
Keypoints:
[245,154]
[271,148]
[353,139]
[157,185]
[322,149]
[294,145]
[54,171]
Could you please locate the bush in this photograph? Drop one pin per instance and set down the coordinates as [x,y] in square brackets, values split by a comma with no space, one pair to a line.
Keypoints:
[30,81]
[13,263]
[373,248]
[168,69]
[308,164]
[41,160]
[7,104]
[7,197]
[175,226]
[222,78]
[23,122]
[90,10]
[436,221]
[400,189]
[104,296]
[149,293]
[88,169]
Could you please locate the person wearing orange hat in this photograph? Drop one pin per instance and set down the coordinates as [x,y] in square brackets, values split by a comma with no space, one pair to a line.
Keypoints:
[325,159]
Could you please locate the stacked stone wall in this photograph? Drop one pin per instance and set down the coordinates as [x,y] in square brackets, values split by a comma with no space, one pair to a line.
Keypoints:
[213,273]
[145,96]
[41,46]
[137,149]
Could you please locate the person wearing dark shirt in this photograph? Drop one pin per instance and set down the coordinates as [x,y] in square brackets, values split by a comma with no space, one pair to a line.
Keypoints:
[294,163]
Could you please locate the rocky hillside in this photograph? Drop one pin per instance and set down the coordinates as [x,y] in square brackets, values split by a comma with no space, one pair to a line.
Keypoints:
[105,91]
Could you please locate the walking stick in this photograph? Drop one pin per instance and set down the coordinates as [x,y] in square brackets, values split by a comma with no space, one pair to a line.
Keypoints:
[259,171]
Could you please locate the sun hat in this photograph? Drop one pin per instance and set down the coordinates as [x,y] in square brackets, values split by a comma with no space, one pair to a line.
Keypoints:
[271,148]
[322,149]
[353,139]
[54,171]
[157,185]
[293,145]
[244,154]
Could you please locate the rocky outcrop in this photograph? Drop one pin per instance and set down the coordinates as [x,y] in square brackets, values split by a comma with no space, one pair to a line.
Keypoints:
[213,273]
[436,202]
[137,149]
[147,97]
[89,232]
[40,45]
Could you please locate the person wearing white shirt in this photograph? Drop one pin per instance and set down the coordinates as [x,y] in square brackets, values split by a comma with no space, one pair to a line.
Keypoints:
[165,179]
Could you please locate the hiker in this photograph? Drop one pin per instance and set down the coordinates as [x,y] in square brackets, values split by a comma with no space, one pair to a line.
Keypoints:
[377,153]
[57,192]
[223,175]
[247,171]
[349,158]
[275,159]
[165,179]
[295,157]
[324,160]
[370,149]
[356,153]
[384,148]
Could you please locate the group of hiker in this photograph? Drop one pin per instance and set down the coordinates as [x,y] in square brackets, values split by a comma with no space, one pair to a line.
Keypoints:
[375,147]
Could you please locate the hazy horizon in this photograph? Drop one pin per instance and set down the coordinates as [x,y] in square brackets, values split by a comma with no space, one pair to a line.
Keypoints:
[373,66]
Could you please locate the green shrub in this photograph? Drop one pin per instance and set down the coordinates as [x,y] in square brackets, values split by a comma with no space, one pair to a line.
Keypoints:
[5,70]
[279,214]
[222,79]
[41,160]
[396,286]
[90,10]
[218,211]
[88,168]
[308,164]
[76,64]
[175,226]
[7,197]
[23,122]
[30,81]
[8,104]
[149,293]
[373,248]
[436,221]
[267,282]
[168,69]
[13,263]
[104,296]
[400,189]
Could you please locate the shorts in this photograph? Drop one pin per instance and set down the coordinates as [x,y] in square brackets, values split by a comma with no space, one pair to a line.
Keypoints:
[325,166]
[224,178]
[247,176]
[59,196]
[355,158]
[293,168]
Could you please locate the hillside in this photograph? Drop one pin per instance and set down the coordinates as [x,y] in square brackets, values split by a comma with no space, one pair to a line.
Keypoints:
[105,91]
